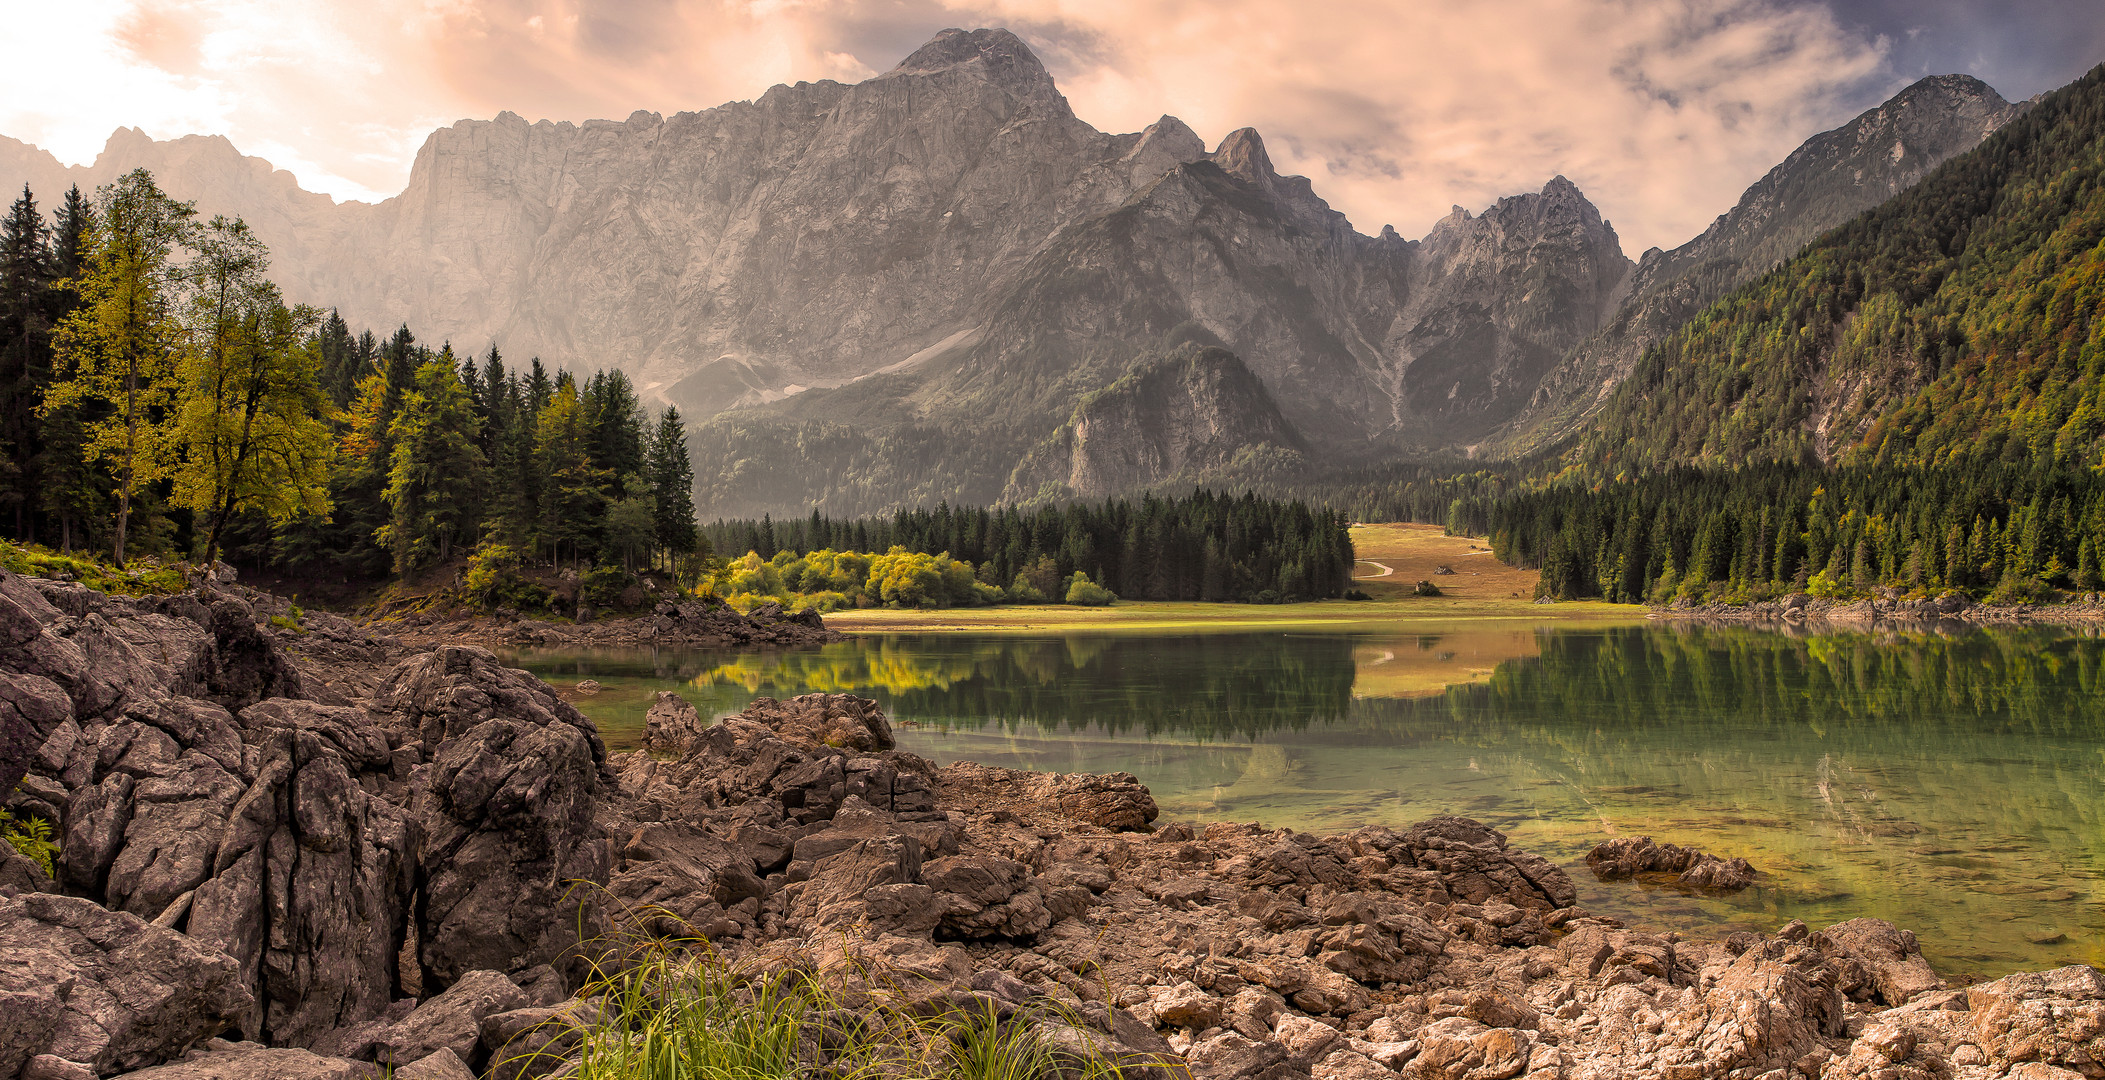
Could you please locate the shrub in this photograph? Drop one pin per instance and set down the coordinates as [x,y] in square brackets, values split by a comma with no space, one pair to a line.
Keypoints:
[1425,588]
[1087,593]
[493,580]
[602,586]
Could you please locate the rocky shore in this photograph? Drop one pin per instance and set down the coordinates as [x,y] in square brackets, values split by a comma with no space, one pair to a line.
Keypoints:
[321,853]
[1956,608]
[670,624]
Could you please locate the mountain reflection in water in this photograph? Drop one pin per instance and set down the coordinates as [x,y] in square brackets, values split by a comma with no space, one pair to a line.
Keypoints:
[1953,783]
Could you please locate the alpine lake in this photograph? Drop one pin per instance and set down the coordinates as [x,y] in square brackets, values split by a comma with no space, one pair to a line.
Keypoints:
[1949,779]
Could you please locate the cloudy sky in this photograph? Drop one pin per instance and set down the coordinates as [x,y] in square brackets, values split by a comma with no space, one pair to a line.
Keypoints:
[1662,110]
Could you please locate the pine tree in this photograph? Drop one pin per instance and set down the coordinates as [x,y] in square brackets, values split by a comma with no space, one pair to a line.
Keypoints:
[435,473]
[28,273]
[672,485]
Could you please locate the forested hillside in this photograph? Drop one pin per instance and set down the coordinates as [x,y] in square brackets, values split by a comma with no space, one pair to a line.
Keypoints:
[1912,403]
[1960,320]
[2009,531]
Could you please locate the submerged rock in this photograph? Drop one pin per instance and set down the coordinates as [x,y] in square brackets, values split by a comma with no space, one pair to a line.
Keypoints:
[1628,856]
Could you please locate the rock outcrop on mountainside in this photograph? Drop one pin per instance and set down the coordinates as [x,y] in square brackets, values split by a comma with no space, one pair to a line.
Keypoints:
[1175,419]
[1835,176]
[256,883]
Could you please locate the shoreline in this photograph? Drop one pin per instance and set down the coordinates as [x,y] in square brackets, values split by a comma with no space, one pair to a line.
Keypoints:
[189,746]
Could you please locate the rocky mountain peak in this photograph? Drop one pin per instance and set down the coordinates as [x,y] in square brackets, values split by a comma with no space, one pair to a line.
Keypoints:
[1172,137]
[998,55]
[1242,155]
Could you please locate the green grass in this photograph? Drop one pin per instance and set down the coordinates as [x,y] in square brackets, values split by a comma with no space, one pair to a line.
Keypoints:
[142,578]
[676,1010]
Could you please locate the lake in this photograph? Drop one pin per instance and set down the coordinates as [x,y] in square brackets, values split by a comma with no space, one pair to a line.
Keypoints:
[1951,782]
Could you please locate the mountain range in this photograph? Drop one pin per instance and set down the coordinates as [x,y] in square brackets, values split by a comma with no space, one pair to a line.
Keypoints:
[941,284]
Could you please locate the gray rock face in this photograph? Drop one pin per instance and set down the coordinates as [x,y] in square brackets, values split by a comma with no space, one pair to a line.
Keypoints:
[310,888]
[259,1063]
[450,690]
[104,989]
[1831,178]
[1190,412]
[263,835]
[511,855]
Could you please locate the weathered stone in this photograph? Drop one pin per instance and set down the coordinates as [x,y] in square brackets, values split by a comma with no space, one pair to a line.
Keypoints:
[451,1021]
[512,857]
[260,1063]
[310,890]
[1627,856]
[103,988]
[1229,1056]
[440,1065]
[2053,1018]
[448,692]
[1889,955]
[672,726]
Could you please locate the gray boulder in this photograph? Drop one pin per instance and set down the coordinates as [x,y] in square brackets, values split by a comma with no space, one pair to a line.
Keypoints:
[512,859]
[250,1062]
[105,989]
[309,889]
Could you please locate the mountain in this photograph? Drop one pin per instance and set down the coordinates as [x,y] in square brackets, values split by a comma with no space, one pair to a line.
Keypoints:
[1962,320]
[944,247]
[1177,418]
[1831,178]
[302,229]
[903,290]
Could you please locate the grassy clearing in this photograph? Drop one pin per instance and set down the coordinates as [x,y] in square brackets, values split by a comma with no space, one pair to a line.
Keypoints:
[676,1010]
[1480,588]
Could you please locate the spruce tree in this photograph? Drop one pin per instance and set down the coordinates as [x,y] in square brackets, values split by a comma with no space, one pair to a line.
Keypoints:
[28,273]
[672,484]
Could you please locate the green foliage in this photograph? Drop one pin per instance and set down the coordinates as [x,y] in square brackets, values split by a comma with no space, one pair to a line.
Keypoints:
[1206,546]
[1425,588]
[2009,532]
[250,422]
[31,837]
[494,580]
[672,1010]
[602,586]
[120,346]
[1086,593]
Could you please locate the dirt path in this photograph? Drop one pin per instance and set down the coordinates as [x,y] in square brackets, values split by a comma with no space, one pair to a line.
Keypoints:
[1385,570]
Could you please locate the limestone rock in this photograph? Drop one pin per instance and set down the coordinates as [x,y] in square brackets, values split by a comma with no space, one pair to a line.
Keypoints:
[1628,856]
[672,725]
[259,1063]
[2051,1018]
[445,693]
[511,856]
[103,988]
[1892,963]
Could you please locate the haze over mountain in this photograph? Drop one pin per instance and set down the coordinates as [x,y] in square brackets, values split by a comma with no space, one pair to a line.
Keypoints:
[906,285]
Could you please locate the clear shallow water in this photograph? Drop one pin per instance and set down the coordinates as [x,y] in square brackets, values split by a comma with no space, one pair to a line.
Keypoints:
[1954,784]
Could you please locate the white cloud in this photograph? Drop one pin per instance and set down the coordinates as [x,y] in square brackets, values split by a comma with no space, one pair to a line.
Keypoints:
[1662,111]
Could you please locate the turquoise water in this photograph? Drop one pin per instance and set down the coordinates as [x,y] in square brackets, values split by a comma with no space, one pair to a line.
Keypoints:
[1954,784]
